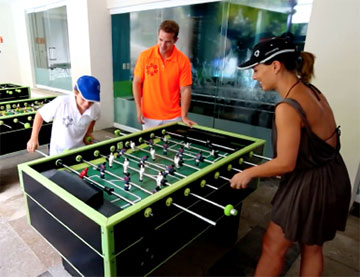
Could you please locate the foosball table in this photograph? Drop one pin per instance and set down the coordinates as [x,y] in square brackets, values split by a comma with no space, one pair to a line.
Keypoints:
[10,92]
[126,205]
[16,118]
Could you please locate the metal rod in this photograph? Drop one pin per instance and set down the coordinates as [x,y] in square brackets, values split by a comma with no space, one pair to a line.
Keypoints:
[261,157]
[249,163]
[207,200]
[195,214]
[224,178]
[204,142]
[41,153]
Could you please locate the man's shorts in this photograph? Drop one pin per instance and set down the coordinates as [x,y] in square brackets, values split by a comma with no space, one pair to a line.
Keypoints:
[149,123]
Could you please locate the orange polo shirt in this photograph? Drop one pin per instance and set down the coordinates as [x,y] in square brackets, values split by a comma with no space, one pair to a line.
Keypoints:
[162,80]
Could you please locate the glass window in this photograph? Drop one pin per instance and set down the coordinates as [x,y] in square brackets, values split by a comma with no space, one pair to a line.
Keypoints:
[50,48]
[216,37]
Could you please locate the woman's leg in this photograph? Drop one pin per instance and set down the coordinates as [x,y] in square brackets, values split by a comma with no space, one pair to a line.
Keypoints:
[312,260]
[273,251]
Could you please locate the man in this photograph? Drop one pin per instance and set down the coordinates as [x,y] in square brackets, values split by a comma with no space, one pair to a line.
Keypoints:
[162,81]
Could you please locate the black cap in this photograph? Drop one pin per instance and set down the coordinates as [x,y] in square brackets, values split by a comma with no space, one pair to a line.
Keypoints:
[268,49]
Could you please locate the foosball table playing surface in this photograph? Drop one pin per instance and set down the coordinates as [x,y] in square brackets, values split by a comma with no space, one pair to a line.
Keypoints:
[16,119]
[126,205]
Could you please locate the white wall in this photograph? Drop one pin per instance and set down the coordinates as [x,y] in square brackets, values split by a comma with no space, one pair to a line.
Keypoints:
[334,37]
[9,62]
[90,45]
[89,25]
[90,50]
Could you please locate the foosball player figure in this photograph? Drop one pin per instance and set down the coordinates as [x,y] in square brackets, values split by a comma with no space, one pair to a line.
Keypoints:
[126,165]
[186,143]
[214,153]
[165,147]
[150,142]
[102,170]
[170,169]
[141,172]
[127,180]
[132,145]
[181,152]
[164,138]
[121,152]
[152,153]
[143,160]
[111,159]
[160,180]
[178,161]
[83,173]
[199,158]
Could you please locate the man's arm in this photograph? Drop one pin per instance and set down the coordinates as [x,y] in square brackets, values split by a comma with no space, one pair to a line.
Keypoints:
[185,99]
[137,89]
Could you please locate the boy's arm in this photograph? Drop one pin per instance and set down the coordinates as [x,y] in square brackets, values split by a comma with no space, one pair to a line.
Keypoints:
[88,138]
[33,143]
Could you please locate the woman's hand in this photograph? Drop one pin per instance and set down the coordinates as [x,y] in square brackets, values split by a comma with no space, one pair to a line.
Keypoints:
[240,180]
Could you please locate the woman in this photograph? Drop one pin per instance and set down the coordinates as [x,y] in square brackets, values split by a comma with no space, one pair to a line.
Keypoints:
[313,197]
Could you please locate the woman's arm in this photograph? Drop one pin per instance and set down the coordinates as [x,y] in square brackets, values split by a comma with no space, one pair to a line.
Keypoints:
[288,125]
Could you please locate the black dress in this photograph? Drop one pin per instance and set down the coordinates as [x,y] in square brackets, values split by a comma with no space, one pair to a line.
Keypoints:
[312,202]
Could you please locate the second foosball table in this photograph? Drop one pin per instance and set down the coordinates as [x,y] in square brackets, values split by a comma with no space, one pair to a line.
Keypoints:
[16,119]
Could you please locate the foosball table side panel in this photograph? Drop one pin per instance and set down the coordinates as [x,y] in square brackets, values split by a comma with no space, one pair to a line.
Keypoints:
[14,135]
[76,237]
[12,92]
[16,140]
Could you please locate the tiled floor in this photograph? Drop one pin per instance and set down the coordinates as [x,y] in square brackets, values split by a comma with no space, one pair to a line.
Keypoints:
[23,252]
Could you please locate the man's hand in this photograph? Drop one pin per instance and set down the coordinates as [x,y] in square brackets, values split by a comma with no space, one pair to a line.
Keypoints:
[188,121]
[140,117]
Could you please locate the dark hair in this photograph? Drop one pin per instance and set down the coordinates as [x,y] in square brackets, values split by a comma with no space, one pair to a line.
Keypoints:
[170,26]
[300,62]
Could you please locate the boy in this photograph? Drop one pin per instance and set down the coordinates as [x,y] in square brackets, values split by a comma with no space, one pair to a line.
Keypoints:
[73,117]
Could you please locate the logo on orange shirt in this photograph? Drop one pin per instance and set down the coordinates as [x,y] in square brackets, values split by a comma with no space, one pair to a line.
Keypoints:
[151,69]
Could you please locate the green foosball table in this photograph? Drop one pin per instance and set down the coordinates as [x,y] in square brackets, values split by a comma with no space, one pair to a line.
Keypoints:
[10,92]
[16,118]
[126,205]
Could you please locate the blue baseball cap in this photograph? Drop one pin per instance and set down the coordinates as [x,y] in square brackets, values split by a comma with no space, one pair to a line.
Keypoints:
[89,88]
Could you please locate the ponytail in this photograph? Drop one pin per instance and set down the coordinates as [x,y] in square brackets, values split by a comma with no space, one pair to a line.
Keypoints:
[305,68]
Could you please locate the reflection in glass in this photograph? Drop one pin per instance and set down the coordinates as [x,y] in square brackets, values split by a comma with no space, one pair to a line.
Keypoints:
[50,48]
[217,36]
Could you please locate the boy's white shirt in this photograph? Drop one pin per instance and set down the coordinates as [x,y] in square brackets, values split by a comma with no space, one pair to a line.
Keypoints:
[69,126]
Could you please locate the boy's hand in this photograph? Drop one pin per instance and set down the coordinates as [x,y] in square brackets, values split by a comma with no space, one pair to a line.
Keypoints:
[89,139]
[32,145]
